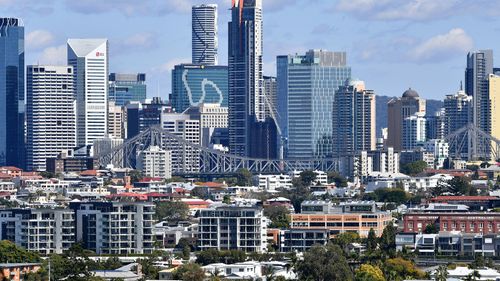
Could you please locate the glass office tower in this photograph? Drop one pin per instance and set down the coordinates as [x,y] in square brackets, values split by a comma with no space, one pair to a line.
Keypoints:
[12,150]
[124,88]
[204,34]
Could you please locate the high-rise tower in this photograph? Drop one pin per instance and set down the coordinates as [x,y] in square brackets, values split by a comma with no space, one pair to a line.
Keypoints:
[89,58]
[204,34]
[479,66]
[251,132]
[11,92]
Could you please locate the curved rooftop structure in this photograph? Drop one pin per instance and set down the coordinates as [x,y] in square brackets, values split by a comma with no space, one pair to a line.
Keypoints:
[410,93]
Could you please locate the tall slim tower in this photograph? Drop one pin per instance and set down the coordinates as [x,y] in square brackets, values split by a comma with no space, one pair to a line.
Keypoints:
[51,119]
[204,34]
[479,66]
[250,130]
[89,58]
[353,119]
[11,92]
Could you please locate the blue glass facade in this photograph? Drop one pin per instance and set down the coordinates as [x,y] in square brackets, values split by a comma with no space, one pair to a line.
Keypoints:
[305,100]
[12,150]
[124,88]
[195,84]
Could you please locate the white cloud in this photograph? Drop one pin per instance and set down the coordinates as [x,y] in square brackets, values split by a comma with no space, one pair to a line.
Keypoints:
[443,46]
[38,39]
[169,65]
[135,42]
[53,55]
[406,10]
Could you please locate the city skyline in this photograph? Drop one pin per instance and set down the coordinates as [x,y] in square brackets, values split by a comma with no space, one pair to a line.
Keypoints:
[427,41]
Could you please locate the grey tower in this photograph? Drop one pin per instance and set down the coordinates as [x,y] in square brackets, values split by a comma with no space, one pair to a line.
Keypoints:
[479,66]
[11,92]
[204,34]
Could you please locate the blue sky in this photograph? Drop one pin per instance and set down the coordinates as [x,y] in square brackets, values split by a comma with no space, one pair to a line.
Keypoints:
[390,44]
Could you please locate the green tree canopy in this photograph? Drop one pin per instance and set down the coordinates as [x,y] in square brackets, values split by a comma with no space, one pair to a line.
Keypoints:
[398,269]
[244,177]
[414,168]
[388,240]
[307,177]
[368,272]
[189,272]
[324,263]
[371,241]
[456,186]
[337,178]
[11,253]
[279,216]
[172,211]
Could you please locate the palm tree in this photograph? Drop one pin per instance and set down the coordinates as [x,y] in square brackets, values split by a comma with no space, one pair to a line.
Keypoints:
[441,273]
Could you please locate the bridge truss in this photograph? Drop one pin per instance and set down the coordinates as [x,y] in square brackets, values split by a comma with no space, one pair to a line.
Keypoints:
[192,158]
[472,143]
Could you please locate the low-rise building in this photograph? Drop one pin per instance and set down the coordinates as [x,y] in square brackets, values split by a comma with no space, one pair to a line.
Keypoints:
[273,182]
[301,240]
[16,271]
[354,216]
[467,222]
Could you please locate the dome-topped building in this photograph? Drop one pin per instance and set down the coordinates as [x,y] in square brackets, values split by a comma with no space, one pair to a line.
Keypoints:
[410,93]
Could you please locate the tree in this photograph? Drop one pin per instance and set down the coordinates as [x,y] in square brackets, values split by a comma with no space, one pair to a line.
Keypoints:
[398,269]
[337,178]
[172,211]
[346,238]
[388,240]
[473,276]
[441,273]
[368,272]
[279,216]
[322,263]
[307,177]
[478,262]
[431,229]
[11,253]
[215,256]
[394,195]
[189,272]
[186,251]
[371,241]
[226,199]
[461,186]
[135,176]
[244,177]
[148,267]
[414,168]
[112,263]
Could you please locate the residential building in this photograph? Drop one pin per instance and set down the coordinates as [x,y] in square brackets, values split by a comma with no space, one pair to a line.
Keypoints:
[50,114]
[184,157]
[41,230]
[233,227]
[413,133]
[12,146]
[155,162]
[398,110]
[305,101]
[89,59]
[124,88]
[241,270]
[479,66]
[142,115]
[116,120]
[251,132]
[205,41]
[67,161]
[273,182]
[321,177]
[353,119]
[117,228]
[195,84]
[385,160]
[355,216]
[420,154]
[440,149]
[301,240]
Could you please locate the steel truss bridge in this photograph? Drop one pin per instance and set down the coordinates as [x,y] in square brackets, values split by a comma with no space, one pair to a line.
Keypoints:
[472,143]
[191,158]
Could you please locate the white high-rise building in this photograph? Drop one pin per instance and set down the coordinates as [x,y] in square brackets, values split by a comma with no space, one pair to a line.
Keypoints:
[414,131]
[155,162]
[116,120]
[204,34]
[89,58]
[51,119]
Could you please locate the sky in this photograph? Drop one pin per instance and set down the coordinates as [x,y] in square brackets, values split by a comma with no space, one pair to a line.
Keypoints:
[391,44]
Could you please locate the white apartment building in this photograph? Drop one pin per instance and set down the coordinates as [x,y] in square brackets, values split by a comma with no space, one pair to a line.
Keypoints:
[273,182]
[414,133]
[321,177]
[50,114]
[41,230]
[233,227]
[118,228]
[116,120]
[155,162]
[184,157]
[440,149]
[410,184]
[89,58]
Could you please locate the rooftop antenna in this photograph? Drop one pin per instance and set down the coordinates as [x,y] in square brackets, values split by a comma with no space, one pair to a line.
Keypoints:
[461,86]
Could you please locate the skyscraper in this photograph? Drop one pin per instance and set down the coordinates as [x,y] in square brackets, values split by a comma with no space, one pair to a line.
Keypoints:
[479,66]
[457,114]
[413,133]
[12,92]
[51,118]
[250,131]
[353,119]
[204,34]
[494,107]
[124,88]
[194,84]
[398,110]
[305,101]
[89,58]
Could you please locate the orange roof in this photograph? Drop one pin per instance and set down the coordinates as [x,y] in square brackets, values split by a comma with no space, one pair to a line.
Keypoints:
[157,194]
[128,194]
[11,168]
[212,184]
[195,202]
[89,173]
[464,198]
[148,179]
[5,176]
